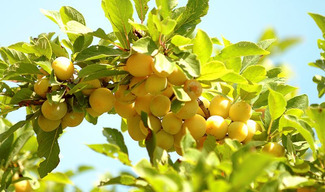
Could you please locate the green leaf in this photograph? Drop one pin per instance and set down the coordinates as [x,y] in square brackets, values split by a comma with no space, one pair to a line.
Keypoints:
[21,95]
[82,42]
[218,185]
[317,114]
[187,141]
[248,91]
[48,148]
[202,46]
[112,151]
[97,52]
[113,136]
[243,174]
[320,80]
[141,6]
[191,16]
[242,48]
[233,77]
[18,145]
[253,60]
[25,68]
[288,42]
[209,144]
[158,182]
[138,26]
[291,121]
[96,71]
[92,69]
[255,73]
[119,12]
[124,125]
[41,47]
[46,65]
[12,129]
[12,56]
[74,27]
[291,181]
[59,178]
[179,40]
[320,21]
[190,63]
[71,14]
[212,70]
[124,179]
[100,33]
[151,147]
[151,23]
[318,64]
[167,26]
[163,64]
[180,94]
[270,186]
[59,51]
[216,41]
[276,103]
[5,147]
[234,64]
[145,45]
[176,105]
[54,16]
[300,102]
[165,7]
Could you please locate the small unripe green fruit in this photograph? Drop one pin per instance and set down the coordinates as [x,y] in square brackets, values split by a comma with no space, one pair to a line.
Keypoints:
[54,111]
[63,68]
[240,111]
[238,131]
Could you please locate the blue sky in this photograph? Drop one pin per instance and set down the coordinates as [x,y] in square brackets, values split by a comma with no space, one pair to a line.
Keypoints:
[235,20]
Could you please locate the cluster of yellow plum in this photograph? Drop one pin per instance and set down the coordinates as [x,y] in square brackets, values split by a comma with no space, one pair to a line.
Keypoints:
[150,91]
[54,114]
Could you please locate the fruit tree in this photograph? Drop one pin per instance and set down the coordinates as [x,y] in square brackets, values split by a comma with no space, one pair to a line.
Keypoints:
[234,122]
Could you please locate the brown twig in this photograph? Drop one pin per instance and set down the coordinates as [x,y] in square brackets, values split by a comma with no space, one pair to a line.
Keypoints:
[203,108]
